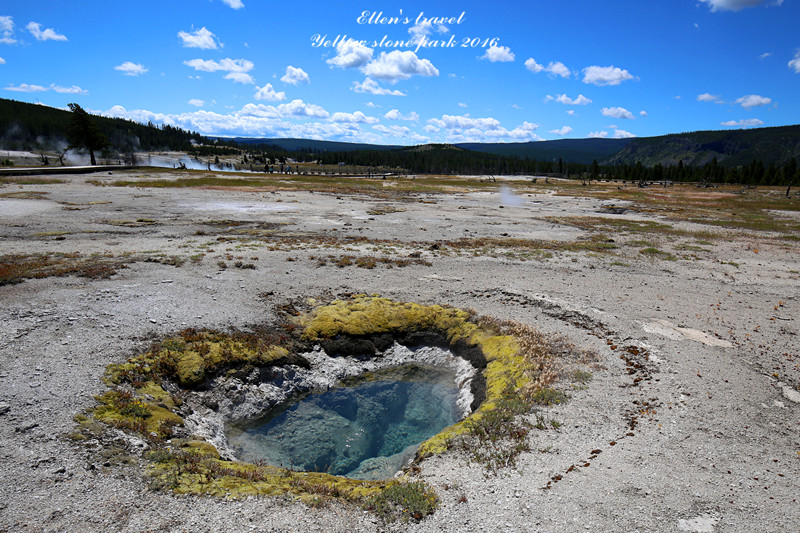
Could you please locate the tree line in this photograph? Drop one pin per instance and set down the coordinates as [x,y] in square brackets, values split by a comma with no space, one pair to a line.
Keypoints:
[447,159]
[35,128]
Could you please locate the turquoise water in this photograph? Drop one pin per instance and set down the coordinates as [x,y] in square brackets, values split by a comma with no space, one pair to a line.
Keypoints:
[367,429]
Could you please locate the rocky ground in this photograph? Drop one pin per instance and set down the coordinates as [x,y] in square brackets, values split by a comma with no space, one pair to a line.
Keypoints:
[690,421]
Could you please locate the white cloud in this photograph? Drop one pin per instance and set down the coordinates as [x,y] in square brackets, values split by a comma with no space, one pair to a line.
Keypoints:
[259,111]
[351,54]
[566,100]
[372,87]
[129,68]
[643,113]
[708,97]
[622,134]
[463,128]
[498,54]
[430,128]
[394,130]
[68,90]
[744,123]
[566,130]
[423,29]
[555,68]
[397,65]
[571,112]
[753,100]
[617,112]
[395,114]
[401,132]
[354,118]
[372,104]
[2,61]
[227,65]
[598,134]
[202,39]
[462,104]
[267,92]
[235,4]
[300,108]
[605,75]
[558,68]
[29,88]
[533,66]
[464,122]
[765,55]
[7,30]
[44,35]
[25,88]
[196,102]
[295,76]
[794,64]
[257,121]
[240,77]
[738,5]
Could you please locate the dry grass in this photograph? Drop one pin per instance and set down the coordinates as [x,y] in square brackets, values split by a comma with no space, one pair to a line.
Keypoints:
[15,268]
[368,262]
[29,180]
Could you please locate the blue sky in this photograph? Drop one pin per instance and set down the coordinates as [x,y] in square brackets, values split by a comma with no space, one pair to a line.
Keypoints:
[468,71]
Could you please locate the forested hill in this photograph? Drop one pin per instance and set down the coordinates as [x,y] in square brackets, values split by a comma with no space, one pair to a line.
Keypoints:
[439,159]
[33,127]
[308,145]
[582,151]
[731,148]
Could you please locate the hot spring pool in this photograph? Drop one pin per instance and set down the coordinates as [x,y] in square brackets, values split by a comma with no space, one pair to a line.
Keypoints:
[366,429]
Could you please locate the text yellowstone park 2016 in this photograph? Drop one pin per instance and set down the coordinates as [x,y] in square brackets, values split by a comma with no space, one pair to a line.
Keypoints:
[420,40]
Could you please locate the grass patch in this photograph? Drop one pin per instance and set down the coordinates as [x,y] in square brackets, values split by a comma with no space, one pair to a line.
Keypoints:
[548,396]
[497,438]
[368,262]
[582,377]
[15,268]
[404,502]
[527,248]
[384,210]
[27,180]
[728,206]
[655,253]
[25,195]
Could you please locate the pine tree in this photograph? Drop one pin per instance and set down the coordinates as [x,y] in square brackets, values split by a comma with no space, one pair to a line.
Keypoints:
[82,132]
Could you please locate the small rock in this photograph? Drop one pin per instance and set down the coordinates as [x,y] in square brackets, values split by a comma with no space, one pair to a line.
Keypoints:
[4,408]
